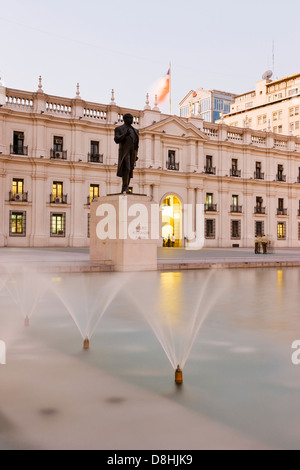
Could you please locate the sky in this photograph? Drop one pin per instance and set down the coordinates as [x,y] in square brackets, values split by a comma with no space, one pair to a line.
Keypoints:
[128,45]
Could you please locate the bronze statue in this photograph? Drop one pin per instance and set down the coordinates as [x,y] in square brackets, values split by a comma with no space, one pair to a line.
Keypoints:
[128,138]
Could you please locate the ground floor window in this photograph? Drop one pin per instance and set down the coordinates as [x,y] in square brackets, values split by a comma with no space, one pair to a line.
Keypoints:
[281,230]
[17,224]
[236,229]
[259,228]
[210,228]
[57,225]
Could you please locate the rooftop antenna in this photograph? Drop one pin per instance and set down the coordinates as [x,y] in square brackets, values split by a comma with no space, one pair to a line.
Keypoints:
[273,57]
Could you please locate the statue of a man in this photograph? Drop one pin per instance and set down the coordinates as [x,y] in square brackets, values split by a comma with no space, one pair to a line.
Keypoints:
[128,138]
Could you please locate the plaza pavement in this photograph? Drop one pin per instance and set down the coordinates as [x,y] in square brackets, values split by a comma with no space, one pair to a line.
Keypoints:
[77,259]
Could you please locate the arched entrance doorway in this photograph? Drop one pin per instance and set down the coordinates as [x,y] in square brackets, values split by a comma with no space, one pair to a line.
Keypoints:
[171,221]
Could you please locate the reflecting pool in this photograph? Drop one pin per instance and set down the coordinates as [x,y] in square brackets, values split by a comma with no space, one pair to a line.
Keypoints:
[230,330]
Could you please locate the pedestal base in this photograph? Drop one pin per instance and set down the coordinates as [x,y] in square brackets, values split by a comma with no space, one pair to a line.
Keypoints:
[124,230]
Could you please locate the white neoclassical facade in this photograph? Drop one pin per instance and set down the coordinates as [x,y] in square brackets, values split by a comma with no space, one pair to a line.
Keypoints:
[58,154]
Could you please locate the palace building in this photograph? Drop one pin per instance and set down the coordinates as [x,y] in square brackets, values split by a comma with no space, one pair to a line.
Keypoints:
[57,155]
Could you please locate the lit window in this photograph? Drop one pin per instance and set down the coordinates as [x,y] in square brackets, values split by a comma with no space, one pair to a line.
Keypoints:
[57,225]
[17,225]
[94,192]
[281,230]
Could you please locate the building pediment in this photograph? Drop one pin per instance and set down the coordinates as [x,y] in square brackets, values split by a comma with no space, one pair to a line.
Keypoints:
[174,126]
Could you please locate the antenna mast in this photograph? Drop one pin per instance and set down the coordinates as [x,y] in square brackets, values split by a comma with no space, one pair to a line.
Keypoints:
[273,57]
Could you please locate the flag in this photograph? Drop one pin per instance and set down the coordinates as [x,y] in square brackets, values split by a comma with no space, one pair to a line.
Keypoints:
[164,88]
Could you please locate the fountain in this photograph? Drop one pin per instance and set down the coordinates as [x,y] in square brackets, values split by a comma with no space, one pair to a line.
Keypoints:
[86,297]
[175,308]
[26,289]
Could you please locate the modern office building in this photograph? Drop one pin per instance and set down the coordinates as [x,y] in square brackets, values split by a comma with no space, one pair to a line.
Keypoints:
[273,105]
[58,154]
[209,105]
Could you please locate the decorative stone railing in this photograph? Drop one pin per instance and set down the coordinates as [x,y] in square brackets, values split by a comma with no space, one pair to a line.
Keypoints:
[258,140]
[211,132]
[94,112]
[62,108]
[19,100]
[236,136]
[280,143]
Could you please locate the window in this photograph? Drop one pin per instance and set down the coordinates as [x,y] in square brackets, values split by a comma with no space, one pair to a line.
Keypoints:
[57,192]
[281,230]
[209,161]
[275,129]
[291,111]
[209,206]
[275,116]
[280,204]
[280,115]
[210,228]
[18,144]
[235,201]
[259,228]
[234,164]
[57,225]
[17,187]
[259,120]
[297,125]
[236,229]
[17,224]
[94,148]
[291,126]
[58,143]
[264,118]
[94,192]
[280,129]
[296,110]
[171,162]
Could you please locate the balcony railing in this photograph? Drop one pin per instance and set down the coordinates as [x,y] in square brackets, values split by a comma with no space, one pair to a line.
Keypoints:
[58,199]
[258,175]
[210,170]
[55,154]
[18,197]
[236,173]
[281,211]
[90,200]
[237,209]
[259,210]
[172,166]
[95,158]
[281,178]
[210,207]
[15,150]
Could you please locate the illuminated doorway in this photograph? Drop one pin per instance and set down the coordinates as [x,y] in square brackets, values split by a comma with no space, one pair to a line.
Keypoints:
[172,221]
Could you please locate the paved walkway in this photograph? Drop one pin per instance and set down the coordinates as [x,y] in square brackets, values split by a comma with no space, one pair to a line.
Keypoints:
[77,259]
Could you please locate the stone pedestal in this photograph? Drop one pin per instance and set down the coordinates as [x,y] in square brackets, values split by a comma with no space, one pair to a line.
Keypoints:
[124,229]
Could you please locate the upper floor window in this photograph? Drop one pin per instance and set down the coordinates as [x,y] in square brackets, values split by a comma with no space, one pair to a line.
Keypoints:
[18,147]
[171,162]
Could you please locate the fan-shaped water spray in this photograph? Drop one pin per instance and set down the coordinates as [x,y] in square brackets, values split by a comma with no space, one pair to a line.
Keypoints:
[87,297]
[26,289]
[175,305]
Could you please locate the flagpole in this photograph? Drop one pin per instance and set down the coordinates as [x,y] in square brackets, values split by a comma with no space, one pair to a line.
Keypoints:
[170,99]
